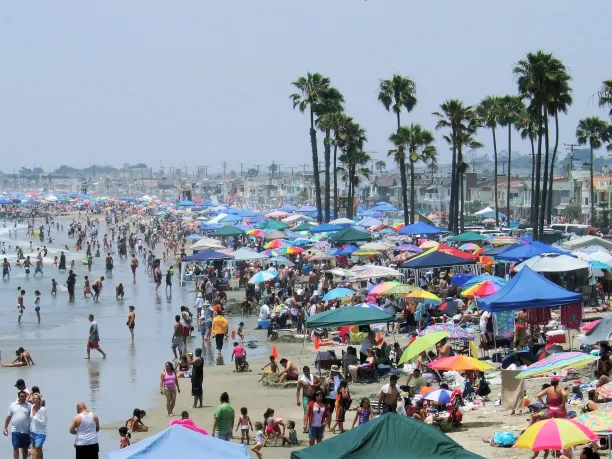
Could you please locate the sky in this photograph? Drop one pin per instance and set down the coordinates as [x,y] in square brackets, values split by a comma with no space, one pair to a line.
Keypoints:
[197,82]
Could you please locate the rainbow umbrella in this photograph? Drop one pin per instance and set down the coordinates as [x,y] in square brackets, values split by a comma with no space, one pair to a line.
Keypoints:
[424,296]
[255,233]
[402,289]
[383,287]
[605,390]
[459,363]
[469,247]
[365,253]
[275,244]
[597,421]
[439,396]
[485,288]
[484,277]
[291,250]
[557,362]
[272,253]
[454,331]
[556,434]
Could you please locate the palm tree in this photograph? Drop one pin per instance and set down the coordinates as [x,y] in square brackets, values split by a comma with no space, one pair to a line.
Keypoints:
[336,122]
[539,75]
[605,95]
[489,111]
[420,148]
[560,100]
[380,165]
[461,120]
[331,103]
[592,131]
[511,109]
[396,94]
[354,158]
[312,88]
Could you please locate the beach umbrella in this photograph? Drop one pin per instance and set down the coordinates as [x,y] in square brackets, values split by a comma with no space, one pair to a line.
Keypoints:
[342,221]
[454,331]
[374,246]
[282,261]
[459,363]
[263,276]
[402,289]
[522,357]
[276,214]
[347,249]
[426,390]
[429,245]
[605,390]
[421,344]
[424,296]
[439,396]
[555,434]
[255,233]
[550,349]
[485,288]
[557,362]
[383,287]
[469,247]
[365,253]
[338,292]
[272,253]
[482,278]
[599,421]
[291,250]
[590,325]
[274,234]
[408,248]
[275,244]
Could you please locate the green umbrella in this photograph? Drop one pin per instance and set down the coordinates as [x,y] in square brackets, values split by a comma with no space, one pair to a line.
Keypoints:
[303,227]
[227,231]
[467,237]
[421,344]
[274,224]
[349,235]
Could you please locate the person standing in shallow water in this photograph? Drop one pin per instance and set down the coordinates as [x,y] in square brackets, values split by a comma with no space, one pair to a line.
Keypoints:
[131,321]
[93,341]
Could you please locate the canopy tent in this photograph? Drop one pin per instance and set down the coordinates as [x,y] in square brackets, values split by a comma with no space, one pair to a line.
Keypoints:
[326,228]
[390,436]
[228,231]
[349,235]
[467,237]
[488,212]
[244,254]
[348,315]
[436,260]
[526,251]
[179,441]
[528,290]
[206,243]
[419,228]
[553,263]
[304,226]
[185,203]
[207,255]
[587,241]
[495,251]
[369,271]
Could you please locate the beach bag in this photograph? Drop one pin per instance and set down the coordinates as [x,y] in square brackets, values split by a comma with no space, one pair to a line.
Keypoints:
[504,439]
[483,389]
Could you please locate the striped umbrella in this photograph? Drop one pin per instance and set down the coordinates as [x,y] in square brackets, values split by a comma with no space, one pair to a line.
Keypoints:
[482,278]
[459,363]
[605,390]
[556,434]
[454,331]
[276,244]
[255,233]
[485,288]
[599,421]
[291,250]
[383,287]
[272,253]
[439,396]
[557,362]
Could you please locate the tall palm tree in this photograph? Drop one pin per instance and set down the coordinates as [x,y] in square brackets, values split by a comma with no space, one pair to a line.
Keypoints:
[511,110]
[605,95]
[526,127]
[336,122]
[331,103]
[312,89]
[354,158]
[592,131]
[380,165]
[539,75]
[489,111]
[460,119]
[559,102]
[396,94]
[420,148]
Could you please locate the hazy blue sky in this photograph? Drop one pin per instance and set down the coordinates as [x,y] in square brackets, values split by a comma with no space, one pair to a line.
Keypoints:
[197,82]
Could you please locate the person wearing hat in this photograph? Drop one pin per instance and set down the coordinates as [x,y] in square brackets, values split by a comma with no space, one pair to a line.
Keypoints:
[388,395]
[207,318]
[330,387]
[198,304]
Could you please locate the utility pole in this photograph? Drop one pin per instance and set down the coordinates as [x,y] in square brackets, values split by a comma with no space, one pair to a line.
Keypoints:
[304,168]
[241,164]
[570,147]
[279,166]
[224,164]
[292,168]
[258,166]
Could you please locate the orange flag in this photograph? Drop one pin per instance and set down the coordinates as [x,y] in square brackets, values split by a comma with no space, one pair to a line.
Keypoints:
[378,337]
[316,343]
[274,352]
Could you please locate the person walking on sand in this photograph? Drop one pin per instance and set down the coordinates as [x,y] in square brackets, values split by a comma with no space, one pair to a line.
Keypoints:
[133,266]
[93,342]
[307,385]
[131,321]
[197,377]
[224,419]
[219,329]
[169,386]
[38,425]
[85,425]
[177,337]
[19,418]
[37,304]
[97,288]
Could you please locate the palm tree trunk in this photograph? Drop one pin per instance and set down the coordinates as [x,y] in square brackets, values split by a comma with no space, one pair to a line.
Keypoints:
[552,170]
[542,206]
[592,197]
[460,177]
[495,178]
[452,216]
[411,192]
[404,182]
[509,176]
[327,154]
[335,180]
[315,167]
[532,191]
[538,168]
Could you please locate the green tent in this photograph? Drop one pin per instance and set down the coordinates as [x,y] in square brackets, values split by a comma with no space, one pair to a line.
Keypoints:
[303,227]
[467,237]
[349,315]
[227,231]
[390,436]
[348,235]
[274,224]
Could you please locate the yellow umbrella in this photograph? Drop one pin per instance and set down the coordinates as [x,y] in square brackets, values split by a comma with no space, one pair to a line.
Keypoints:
[422,295]
[365,253]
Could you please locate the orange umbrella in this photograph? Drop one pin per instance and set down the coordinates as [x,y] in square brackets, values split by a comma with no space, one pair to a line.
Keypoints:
[293,250]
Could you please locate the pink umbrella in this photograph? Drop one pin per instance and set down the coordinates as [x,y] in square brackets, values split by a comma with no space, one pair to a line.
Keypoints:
[590,325]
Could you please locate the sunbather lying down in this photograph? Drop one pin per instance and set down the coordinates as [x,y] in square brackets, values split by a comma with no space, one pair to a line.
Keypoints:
[602,308]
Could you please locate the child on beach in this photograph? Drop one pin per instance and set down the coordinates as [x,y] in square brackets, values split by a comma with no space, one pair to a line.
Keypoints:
[125,437]
[260,440]
[291,437]
[240,332]
[273,426]
[273,366]
[244,422]
[240,357]
[364,412]
[53,287]
[87,288]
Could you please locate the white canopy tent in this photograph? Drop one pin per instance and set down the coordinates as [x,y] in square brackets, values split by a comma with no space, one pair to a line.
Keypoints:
[368,271]
[553,263]
[244,254]
[207,243]
[587,241]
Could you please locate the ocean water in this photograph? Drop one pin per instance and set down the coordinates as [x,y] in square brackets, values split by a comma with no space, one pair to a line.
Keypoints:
[112,388]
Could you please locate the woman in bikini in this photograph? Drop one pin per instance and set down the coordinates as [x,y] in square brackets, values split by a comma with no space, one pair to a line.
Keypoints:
[135,423]
[520,328]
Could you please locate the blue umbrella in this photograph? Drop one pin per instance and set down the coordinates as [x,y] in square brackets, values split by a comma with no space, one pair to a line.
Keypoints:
[338,292]
[194,237]
[439,395]
[347,250]
[263,276]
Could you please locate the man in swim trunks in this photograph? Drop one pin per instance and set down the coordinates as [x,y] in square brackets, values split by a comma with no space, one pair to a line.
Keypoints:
[177,337]
[131,321]
[97,287]
[308,385]
[134,265]
[387,398]
[109,264]
[290,373]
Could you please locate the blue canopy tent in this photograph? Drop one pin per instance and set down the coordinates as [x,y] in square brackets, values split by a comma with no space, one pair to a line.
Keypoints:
[528,290]
[185,203]
[436,260]
[526,251]
[419,228]
[460,279]
[326,228]
[207,255]
[384,207]
[179,441]
[495,251]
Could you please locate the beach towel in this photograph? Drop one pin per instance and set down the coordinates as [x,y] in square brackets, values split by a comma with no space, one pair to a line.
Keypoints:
[571,316]
[505,323]
[512,390]
[539,316]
